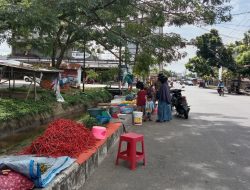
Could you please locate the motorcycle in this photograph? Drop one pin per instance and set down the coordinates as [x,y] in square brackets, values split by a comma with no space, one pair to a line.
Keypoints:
[179,102]
[220,90]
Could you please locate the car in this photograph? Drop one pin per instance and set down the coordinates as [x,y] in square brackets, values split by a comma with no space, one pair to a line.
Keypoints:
[247,89]
[189,83]
[29,79]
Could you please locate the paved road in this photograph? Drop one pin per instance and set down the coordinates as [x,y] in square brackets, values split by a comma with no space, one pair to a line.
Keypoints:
[209,151]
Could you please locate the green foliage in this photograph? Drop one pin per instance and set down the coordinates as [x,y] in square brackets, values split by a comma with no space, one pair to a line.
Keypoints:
[169,73]
[14,108]
[143,62]
[91,74]
[107,75]
[89,121]
[211,55]
[59,25]
[86,98]
[10,108]
[241,50]
[200,66]
[211,49]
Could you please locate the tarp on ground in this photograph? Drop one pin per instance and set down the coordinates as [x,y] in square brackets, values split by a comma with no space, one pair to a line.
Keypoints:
[41,170]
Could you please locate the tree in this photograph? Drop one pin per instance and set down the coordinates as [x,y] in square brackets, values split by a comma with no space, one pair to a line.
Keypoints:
[200,66]
[54,26]
[211,55]
[144,61]
[91,74]
[211,49]
[107,75]
[241,52]
[243,55]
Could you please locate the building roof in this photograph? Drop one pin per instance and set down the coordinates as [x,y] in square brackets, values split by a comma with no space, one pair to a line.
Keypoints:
[73,66]
[27,67]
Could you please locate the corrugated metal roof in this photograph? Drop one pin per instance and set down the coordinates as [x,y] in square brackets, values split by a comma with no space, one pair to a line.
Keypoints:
[25,66]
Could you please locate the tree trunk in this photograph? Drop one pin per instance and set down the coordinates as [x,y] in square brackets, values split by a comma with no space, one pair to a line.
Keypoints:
[63,50]
[60,57]
[239,84]
[53,56]
[136,51]
[56,45]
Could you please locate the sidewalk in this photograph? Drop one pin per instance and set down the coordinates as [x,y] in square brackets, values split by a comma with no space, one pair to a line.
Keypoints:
[152,176]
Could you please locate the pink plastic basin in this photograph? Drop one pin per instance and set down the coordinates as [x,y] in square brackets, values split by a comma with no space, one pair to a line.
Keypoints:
[99,132]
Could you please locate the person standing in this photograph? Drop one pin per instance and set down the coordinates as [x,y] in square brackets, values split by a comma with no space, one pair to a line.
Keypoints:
[129,79]
[149,108]
[164,101]
[141,97]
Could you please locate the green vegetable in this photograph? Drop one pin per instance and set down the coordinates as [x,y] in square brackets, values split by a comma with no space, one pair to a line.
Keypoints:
[89,121]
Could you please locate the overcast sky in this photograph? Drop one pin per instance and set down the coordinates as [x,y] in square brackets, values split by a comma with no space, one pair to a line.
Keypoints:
[230,32]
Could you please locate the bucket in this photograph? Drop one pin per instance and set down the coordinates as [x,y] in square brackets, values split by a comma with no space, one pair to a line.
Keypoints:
[99,132]
[137,117]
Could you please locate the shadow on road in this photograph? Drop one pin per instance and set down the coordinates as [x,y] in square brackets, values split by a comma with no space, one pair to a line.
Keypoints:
[215,152]
[206,152]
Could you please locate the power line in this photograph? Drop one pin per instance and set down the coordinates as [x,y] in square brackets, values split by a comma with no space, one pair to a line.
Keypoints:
[242,13]
[243,20]
[233,25]
[220,33]
[233,29]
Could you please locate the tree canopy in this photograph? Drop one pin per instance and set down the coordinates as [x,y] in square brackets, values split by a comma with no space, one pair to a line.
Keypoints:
[54,26]
[242,51]
[211,54]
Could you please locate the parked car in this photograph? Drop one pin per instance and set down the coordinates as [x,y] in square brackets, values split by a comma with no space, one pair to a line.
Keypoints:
[29,79]
[247,89]
[189,83]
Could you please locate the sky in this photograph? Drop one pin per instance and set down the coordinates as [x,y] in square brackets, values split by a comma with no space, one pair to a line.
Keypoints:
[229,31]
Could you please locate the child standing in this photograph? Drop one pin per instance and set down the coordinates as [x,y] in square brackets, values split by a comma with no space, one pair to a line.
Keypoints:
[141,97]
[149,108]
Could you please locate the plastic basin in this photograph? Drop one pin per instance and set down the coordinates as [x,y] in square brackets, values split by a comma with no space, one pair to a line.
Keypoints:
[94,112]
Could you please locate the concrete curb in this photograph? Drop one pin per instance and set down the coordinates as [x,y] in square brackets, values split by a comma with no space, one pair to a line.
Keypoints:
[75,176]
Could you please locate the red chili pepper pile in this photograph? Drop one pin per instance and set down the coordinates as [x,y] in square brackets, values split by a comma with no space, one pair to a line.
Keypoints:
[63,137]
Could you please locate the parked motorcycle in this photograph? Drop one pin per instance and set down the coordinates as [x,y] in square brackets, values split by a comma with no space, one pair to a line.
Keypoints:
[179,102]
[220,90]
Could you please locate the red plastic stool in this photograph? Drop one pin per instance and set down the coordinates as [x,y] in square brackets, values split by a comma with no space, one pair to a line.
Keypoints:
[131,154]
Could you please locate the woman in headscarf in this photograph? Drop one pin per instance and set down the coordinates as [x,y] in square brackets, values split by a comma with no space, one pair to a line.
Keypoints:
[164,101]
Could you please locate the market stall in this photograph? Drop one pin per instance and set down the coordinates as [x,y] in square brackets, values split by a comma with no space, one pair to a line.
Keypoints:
[11,70]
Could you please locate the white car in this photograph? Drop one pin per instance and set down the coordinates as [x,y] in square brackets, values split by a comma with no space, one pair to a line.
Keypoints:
[29,79]
[189,83]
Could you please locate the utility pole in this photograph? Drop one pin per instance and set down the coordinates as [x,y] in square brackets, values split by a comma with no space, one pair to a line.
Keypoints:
[120,58]
[84,62]
[220,73]
[161,64]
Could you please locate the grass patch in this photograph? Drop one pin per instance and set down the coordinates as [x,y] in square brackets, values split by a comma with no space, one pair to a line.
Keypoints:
[16,108]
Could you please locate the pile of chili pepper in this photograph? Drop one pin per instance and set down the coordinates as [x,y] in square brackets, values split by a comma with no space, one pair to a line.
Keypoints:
[63,137]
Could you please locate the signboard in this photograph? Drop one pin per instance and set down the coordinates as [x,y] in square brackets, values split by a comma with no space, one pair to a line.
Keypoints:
[79,55]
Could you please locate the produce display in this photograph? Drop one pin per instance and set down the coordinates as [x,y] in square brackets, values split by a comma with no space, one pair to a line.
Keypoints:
[89,121]
[129,102]
[63,137]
